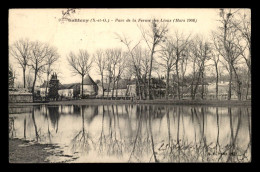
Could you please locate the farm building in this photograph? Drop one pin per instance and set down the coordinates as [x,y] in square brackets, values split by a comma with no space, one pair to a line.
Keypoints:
[90,88]
[69,90]
[121,89]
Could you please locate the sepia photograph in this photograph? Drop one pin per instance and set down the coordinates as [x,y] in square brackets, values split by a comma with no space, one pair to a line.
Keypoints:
[129,85]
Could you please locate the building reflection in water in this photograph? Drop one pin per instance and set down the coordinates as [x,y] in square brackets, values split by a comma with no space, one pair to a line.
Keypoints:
[140,133]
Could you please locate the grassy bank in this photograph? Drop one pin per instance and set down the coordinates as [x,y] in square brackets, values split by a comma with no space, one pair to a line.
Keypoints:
[157,101]
[20,151]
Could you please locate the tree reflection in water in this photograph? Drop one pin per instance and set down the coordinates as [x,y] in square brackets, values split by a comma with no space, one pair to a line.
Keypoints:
[82,140]
[11,127]
[145,133]
[37,135]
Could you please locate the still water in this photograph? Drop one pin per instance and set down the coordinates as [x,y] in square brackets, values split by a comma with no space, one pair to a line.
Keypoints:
[137,133]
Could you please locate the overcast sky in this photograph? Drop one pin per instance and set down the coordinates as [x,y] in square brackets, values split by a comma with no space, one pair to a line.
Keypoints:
[44,25]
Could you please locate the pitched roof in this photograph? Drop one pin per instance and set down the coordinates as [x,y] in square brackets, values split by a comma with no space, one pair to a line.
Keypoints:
[88,81]
[68,86]
[122,84]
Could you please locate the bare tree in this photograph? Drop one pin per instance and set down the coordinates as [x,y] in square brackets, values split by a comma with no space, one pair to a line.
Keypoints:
[100,60]
[142,62]
[120,68]
[50,60]
[80,64]
[39,53]
[201,51]
[179,42]
[20,50]
[243,25]
[136,67]
[109,59]
[153,37]
[116,58]
[227,44]
[168,60]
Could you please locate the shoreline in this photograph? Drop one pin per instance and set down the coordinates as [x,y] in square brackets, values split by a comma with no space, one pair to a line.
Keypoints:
[154,102]
[35,153]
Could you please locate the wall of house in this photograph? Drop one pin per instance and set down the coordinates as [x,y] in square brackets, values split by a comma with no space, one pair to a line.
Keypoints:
[66,93]
[131,90]
[120,93]
[88,90]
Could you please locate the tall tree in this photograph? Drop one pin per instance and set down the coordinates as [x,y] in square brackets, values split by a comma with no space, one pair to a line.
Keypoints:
[227,44]
[134,63]
[109,58]
[116,58]
[243,24]
[81,64]
[20,50]
[39,53]
[201,50]
[153,36]
[179,42]
[168,60]
[100,60]
[120,68]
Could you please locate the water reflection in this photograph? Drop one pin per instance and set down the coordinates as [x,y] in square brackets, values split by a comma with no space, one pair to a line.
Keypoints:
[140,133]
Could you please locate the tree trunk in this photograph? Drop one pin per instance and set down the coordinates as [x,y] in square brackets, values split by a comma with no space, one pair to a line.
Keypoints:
[216,67]
[248,85]
[24,84]
[113,88]
[82,78]
[102,84]
[150,72]
[139,89]
[47,84]
[34,81]
[238,84]
[192,82]
[191,91]
[116,88]
[109,80]
[167,84]
[196,86]
[230,81]
[202,84]
[178,79]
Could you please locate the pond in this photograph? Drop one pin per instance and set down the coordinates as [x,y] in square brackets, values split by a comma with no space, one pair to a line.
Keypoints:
[137,133]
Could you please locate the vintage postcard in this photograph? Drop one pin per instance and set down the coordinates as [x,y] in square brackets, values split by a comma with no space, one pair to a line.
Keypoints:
[129,85]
